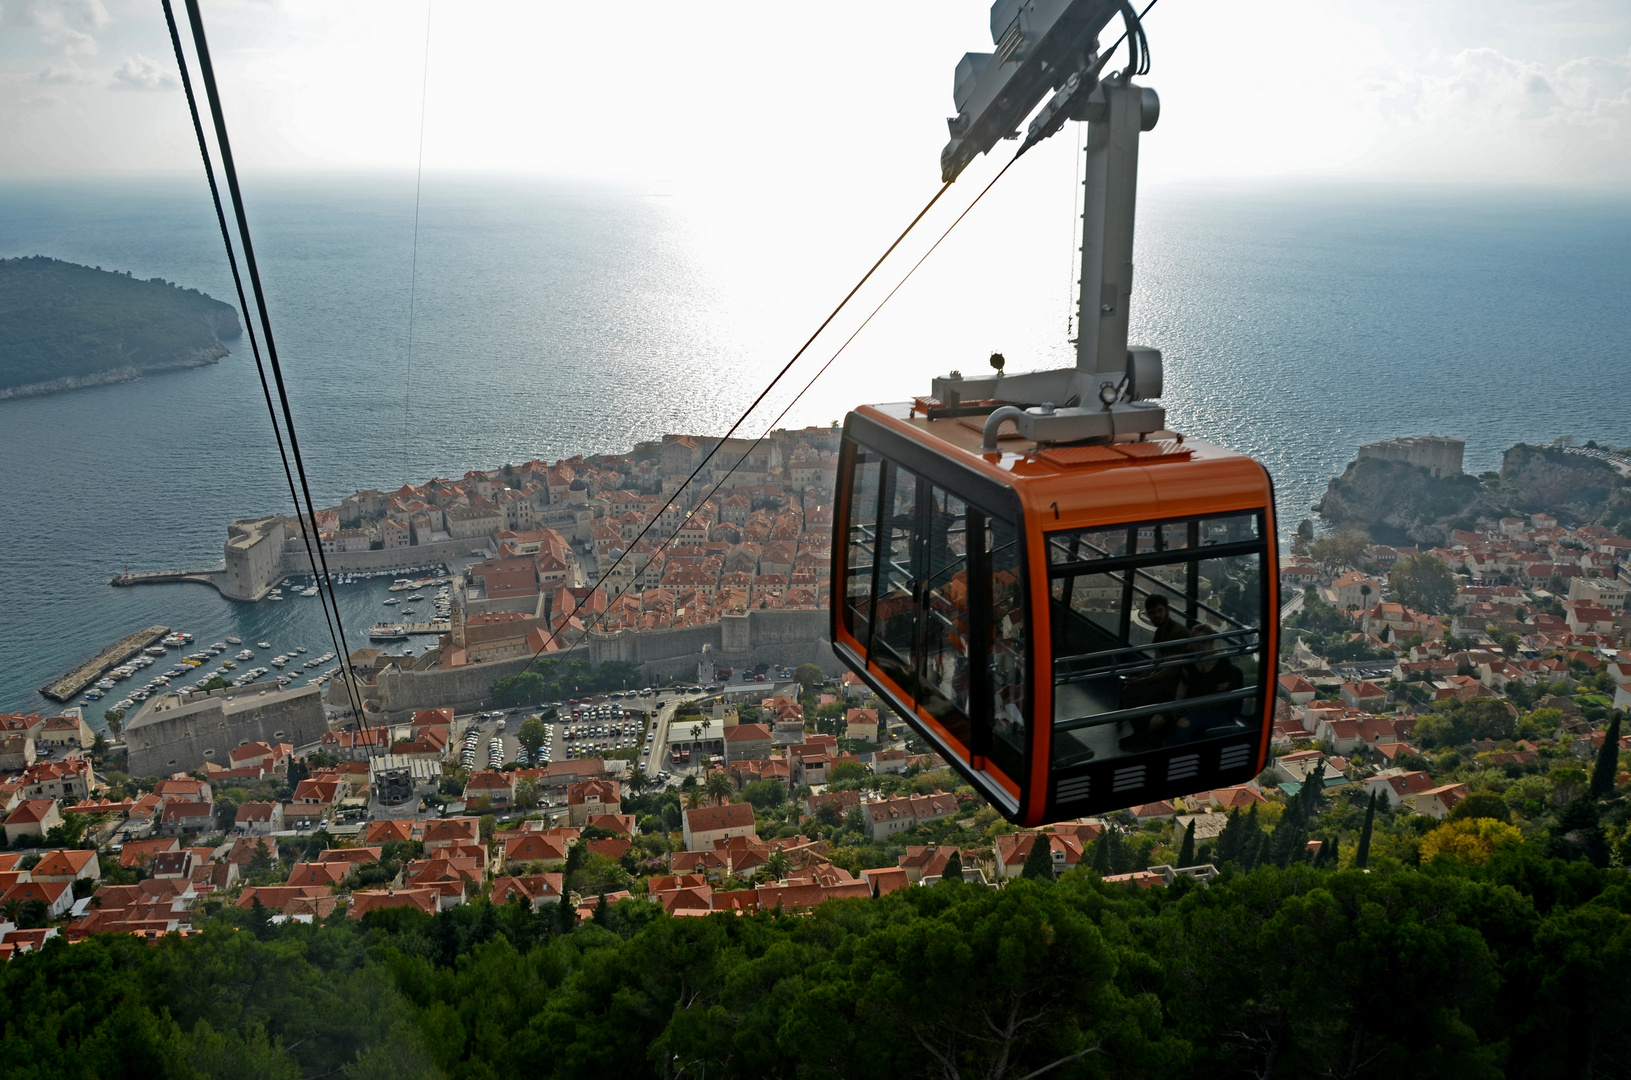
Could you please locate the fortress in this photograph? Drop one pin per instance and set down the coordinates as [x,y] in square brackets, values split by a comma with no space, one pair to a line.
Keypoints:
[1438,454]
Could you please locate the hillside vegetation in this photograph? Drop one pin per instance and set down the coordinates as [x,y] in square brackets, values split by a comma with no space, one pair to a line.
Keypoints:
[1514,966]
[63,325]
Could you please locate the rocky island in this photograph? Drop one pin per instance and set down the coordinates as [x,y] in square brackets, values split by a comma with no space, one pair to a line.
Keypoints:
[1414,491]
[64,326]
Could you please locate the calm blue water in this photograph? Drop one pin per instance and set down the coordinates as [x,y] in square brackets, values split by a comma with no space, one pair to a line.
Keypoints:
[555,319]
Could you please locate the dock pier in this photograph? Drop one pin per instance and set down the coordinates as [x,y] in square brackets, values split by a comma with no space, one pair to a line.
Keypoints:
[93,669]
[211,578]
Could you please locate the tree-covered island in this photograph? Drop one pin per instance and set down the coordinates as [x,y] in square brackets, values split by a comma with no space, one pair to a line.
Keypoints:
[65,326]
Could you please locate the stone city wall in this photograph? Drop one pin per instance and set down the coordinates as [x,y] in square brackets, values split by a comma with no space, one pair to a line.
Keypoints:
[295,562]
[759,637]
[164,741]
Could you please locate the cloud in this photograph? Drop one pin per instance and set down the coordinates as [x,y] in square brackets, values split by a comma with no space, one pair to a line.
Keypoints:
[51,75]
[139,73]
[40,101]
[86,14]
[1574,119]
[71,42]
[67,24]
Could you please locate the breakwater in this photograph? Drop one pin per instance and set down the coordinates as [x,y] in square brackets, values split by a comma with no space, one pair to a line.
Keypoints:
[82,676]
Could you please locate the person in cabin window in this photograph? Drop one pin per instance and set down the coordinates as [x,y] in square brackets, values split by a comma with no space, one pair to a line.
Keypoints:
[1208,673]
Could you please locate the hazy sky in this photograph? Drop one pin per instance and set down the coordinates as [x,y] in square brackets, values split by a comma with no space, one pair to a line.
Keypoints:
[694,95]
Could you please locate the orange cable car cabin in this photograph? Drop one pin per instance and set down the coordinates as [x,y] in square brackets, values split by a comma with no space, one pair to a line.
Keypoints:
[1080,612]
[1075,628]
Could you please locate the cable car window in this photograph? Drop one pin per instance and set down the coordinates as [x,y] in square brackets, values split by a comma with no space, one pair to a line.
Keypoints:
[1006,662]
[895,615]
[1157,634]
[945,624]
[862,540]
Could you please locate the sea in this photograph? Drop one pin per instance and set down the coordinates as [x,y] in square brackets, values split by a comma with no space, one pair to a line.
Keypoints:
[540,317]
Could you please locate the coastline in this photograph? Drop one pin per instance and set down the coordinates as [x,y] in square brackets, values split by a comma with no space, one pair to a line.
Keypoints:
[128,373]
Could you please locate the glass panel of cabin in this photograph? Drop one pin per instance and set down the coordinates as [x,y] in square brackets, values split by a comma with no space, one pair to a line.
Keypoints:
[860,554]
[945,626]
[1157,639]
[895,618]
[1006,660]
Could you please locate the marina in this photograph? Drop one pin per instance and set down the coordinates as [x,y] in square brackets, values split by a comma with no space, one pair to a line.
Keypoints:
[92,670]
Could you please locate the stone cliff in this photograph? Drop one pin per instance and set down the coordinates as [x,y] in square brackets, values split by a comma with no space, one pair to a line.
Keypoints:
[1390,499]
[1574,488]
[1394,502]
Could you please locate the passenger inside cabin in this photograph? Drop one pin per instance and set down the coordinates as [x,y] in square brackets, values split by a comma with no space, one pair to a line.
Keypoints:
[1208,673]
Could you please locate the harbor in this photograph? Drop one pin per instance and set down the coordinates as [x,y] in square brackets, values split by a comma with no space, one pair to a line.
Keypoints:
[93,669]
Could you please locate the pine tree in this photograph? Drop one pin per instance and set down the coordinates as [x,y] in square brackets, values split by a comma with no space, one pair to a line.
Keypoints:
[954,869]
[1186,850]
[1039,860]
[1608,761]
[1362,856]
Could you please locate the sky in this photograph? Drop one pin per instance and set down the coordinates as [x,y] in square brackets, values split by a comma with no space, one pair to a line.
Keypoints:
[812,99]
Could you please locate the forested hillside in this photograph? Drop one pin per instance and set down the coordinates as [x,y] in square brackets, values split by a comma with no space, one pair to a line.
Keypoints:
[61,321]
[1518,966]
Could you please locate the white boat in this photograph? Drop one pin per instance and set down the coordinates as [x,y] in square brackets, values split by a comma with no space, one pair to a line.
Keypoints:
[300,648]
[263,644]
[310,590]
[391,600]
[154,650]
[274,597]
[245,654]
[235,641]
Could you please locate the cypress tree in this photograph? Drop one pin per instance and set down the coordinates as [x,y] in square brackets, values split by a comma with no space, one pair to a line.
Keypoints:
[1253,840]
[566,916]
[954,868]
[603,911]
[1362,856]
[1608,761]
[1039,860]
[1228,849]
[1101,854]
[1186,850]
[1334,860]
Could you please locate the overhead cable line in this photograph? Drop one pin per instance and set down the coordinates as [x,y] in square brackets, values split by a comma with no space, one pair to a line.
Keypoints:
[413,274]
[314,554]
[553,636]
[743,418]
[1134,26]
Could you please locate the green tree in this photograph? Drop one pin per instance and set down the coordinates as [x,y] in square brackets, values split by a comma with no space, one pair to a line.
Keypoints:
[602,914]
[1039,860]
[1607,766]
[1424,582]
[534,733]
[1186,850]
[719,788]
[226,813]
[1362,855]
[1578,833]
[848,772]
[809,677]
[953,871]
[1337,553]
[526,794]
[1481,804]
